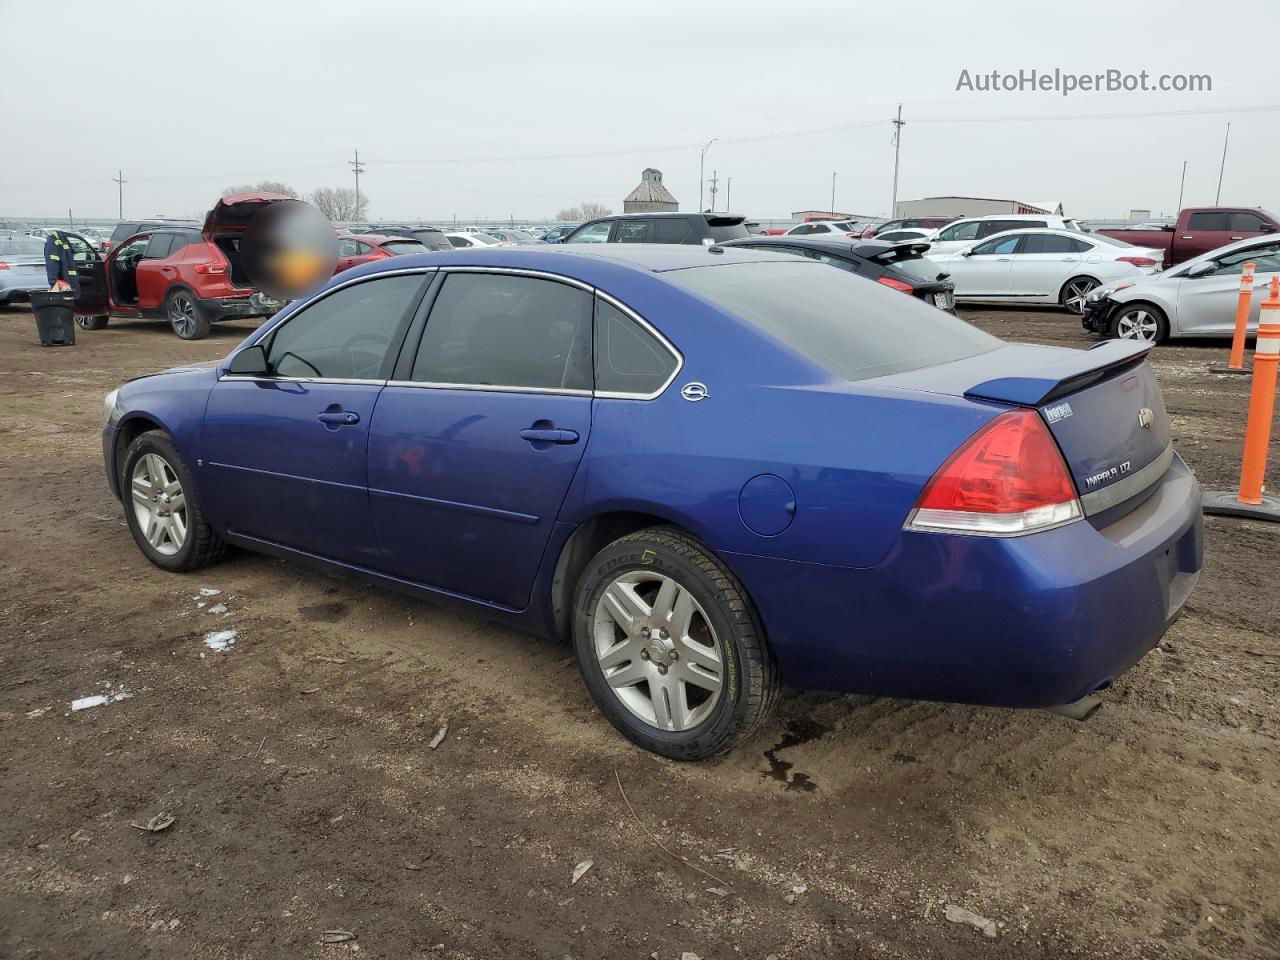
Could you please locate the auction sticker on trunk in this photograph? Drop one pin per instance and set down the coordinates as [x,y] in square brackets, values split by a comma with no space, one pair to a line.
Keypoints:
[1059,411]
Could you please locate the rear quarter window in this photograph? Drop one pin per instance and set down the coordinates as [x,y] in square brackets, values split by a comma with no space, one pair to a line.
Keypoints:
[854,328]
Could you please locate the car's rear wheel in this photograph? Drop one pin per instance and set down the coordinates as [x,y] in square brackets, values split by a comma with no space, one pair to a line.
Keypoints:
[85,322]
[1140,321]
[669,647]
[1074,291]
[163,508]
[185,316]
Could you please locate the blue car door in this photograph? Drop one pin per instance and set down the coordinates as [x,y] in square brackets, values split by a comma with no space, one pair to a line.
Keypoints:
[286,453]
[474,445]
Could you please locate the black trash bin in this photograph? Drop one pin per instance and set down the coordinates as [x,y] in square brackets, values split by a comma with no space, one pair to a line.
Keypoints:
[55,317]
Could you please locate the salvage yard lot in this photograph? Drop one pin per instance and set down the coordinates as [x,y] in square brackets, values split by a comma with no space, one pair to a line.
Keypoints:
[307,798]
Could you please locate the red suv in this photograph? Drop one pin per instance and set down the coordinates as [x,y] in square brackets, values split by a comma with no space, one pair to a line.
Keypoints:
[192,278]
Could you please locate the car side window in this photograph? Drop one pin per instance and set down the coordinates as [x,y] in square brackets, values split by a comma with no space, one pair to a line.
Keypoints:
[671,230]
[1246,222]
[346,335]
[346,247]
[507,331]
[961,231]
[998,245]
[1265,257]
[1207,221]
[629,359]
[132,249]
[459,241]
[634,231]
[159,247]
[1051,243]
[592,233]
[81,252]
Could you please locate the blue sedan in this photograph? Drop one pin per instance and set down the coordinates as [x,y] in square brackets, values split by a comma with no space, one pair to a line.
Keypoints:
[711,470]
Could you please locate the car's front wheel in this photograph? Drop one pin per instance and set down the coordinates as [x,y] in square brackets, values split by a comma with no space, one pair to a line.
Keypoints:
[185,316]
[163,508]
[86,322]
[1140,321]
[669,647]
[1074,292]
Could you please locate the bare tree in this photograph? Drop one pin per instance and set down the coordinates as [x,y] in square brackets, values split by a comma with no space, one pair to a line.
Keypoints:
[339,203]
[264,186]
[587,210]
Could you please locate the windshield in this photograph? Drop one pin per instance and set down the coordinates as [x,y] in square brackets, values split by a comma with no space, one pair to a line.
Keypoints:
[853,328]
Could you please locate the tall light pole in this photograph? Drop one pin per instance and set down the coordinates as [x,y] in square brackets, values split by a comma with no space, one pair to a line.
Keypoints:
[898,124]
[728,193]
[702,170]
[357,167]
[833,193]
[1223,168]
[1182,184]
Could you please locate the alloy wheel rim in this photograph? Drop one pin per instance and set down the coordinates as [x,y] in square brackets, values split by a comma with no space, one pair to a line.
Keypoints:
[182,314]
[1076,293]
[1137,325]
[658,651]
[159,504]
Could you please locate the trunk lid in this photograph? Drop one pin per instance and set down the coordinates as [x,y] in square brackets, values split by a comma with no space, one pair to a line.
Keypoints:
[232,213]
[1102,405]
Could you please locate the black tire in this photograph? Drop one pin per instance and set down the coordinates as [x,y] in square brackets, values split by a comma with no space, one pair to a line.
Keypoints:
[1073,292]
[185,316]
[750,679]
[1129,318]
[201,545]
[85,322]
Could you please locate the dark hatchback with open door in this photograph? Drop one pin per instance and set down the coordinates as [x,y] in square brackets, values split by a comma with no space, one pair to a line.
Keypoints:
[901,266]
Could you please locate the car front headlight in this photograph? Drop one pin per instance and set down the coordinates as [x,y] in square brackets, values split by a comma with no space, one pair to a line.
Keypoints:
[109,404]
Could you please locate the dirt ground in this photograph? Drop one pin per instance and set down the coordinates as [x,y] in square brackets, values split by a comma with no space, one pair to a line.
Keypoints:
[307,798]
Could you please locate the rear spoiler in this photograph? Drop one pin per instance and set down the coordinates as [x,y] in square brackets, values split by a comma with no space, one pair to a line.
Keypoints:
[1066,374]
[724,220]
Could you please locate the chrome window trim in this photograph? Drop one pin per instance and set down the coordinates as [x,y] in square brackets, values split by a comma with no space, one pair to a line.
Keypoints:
[657,335]
[488,388]
[1132,485]
[267,379]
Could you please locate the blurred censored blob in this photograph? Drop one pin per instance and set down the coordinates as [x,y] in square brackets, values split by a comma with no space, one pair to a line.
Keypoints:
[288,249]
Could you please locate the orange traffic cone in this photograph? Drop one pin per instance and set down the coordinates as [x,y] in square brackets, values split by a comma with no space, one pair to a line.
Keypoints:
[1243,303]
[1251,499]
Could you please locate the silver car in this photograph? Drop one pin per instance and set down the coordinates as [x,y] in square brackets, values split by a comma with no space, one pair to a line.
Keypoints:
[1194,299]
[21,268]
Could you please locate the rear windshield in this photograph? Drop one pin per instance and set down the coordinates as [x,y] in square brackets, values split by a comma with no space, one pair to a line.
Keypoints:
[728,232]
[852,327]
[1102,237]
[398,247]
[914,266]
[22,247]
[433,239]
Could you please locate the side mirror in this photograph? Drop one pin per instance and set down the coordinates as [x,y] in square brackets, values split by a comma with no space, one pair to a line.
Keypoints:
[1267,228]
[966,253]
[1201,268]
[250,362]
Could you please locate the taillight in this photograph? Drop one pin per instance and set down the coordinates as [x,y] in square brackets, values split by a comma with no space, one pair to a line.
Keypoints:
[1137,261]
[896,284]
[211,268]
[1008,479]
[3,265]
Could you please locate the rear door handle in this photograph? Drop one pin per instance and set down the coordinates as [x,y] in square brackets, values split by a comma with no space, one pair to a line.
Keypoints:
[339,417]
[549,435]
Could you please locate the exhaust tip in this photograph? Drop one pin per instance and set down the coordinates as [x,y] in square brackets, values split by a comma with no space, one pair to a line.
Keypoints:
[1081,709]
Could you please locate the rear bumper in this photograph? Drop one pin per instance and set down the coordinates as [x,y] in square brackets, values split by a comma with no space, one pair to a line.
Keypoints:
[13,290]
[1021,622]
[232,308]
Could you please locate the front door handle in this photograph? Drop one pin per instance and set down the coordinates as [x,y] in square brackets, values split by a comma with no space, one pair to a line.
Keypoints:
[549,435]
[1003,259]
[344,418]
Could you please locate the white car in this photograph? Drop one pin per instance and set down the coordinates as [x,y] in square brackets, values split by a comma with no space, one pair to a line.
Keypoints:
[1042,267]
[1194,299]
[823,228]
[959,234]
[905,234]
[475,240]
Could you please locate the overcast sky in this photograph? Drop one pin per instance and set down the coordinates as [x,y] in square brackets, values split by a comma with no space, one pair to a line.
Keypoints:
[494,107]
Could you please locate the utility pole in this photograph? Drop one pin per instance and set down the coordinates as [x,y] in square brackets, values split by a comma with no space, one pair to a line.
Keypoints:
[833,193]
[713,191]
[728,194]
[898,124]
[120,181]
[70,219]
[1221,170]
[1182,184]
[357,168]
[702,170]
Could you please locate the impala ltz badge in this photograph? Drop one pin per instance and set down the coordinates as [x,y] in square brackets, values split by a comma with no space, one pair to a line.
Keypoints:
[1144,418]
[695,391]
